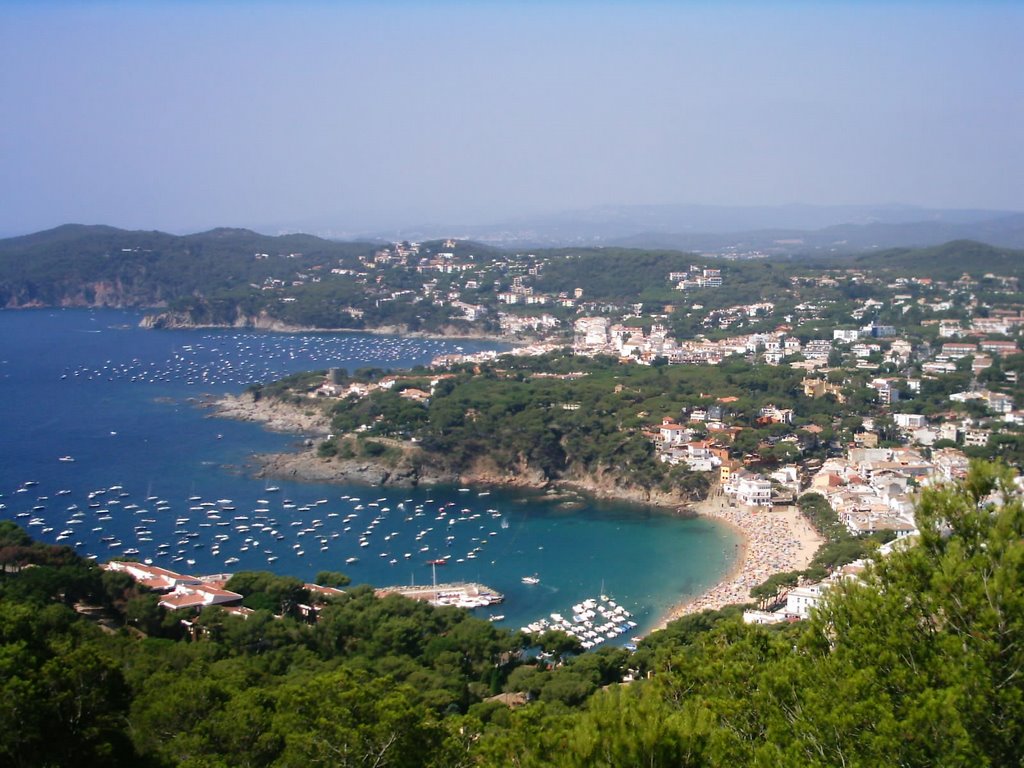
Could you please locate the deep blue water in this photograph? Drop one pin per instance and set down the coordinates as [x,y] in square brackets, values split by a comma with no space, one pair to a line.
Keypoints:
[152,472]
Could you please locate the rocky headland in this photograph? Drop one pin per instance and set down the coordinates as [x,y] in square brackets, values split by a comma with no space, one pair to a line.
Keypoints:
[405,464]
[263,321]
[277,415]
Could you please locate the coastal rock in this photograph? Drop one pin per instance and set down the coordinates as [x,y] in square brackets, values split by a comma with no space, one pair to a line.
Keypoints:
[606,485]
[183,320]
[263,321]
[485,471]
[275,415]
[306,466]
[91,294]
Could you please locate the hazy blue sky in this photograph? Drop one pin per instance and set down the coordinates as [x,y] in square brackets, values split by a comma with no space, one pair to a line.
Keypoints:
[186,115]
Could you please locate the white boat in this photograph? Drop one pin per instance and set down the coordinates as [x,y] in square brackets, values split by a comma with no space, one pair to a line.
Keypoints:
[531,580]
[66,458]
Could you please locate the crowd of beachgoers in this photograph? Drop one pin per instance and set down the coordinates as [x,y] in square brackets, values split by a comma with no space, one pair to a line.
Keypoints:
[772,541]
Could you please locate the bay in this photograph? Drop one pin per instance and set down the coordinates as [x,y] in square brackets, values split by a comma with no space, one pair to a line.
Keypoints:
[105,448]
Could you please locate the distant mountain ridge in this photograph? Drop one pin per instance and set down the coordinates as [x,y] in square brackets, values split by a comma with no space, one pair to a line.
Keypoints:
[770,229]
[1005,231]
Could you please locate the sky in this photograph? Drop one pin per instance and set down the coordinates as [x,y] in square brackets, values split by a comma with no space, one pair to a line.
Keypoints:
[356,116]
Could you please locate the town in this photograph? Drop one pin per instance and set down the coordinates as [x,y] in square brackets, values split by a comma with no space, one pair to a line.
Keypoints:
[892,391]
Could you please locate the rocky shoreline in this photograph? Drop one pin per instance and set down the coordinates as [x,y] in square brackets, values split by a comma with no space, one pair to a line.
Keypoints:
[306,466]
[275,415]
[265,322]
[410,470]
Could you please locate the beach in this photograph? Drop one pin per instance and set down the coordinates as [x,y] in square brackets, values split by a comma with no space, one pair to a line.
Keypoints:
[772,541]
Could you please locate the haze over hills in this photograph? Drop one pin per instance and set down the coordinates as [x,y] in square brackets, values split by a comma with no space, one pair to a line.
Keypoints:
[784,229]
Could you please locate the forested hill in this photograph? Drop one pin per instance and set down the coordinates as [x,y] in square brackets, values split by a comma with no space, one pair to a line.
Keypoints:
[78,265]
[941,262]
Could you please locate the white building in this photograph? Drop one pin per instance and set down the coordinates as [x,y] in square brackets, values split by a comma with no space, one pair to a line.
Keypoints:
[179,591]
[749,489]
[848,335]
[674,434]
[909,420]
[591,332]
[802,600]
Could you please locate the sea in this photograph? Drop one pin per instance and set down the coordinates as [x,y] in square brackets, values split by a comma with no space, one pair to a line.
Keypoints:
[106,447]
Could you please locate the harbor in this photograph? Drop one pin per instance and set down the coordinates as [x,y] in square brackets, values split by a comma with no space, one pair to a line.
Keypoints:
[155,479]
[594,621]
[459,594]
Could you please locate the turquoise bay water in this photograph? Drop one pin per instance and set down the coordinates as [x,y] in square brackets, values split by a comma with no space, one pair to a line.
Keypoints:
[147,474]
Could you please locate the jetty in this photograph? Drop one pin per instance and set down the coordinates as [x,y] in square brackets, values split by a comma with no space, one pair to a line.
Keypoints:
[460,594]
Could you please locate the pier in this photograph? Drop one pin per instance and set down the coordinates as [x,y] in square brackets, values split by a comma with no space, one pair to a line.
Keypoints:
[460,594]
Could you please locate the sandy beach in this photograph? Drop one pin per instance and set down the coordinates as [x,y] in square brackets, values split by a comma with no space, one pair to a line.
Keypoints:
[772,541]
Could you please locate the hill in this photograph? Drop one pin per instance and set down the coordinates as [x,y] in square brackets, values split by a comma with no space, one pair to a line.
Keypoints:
[947,261]
[79,265]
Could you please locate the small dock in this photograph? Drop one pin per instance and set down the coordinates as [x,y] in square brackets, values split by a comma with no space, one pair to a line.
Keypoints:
[461,594]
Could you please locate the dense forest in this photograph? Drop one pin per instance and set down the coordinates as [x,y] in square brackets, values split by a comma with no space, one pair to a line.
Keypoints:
[564,416]
[917,664]
[944,262]
[567,417]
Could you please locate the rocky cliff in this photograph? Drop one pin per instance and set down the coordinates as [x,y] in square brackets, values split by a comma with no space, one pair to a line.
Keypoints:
[182,320]
[96,294]
[310,419]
